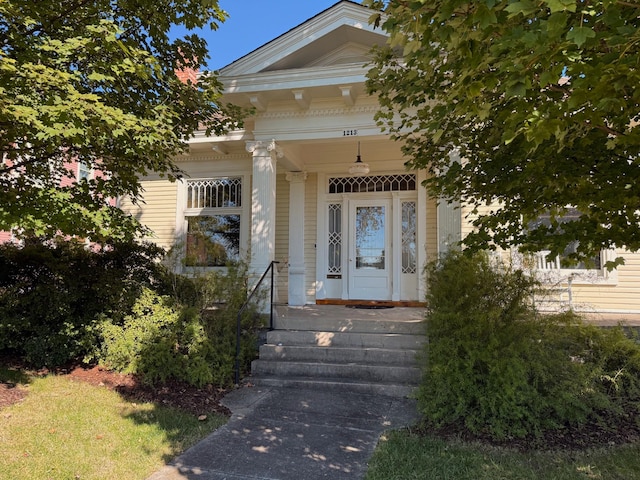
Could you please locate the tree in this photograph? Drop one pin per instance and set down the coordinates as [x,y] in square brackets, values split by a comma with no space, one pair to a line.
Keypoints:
[94,81]
[538,97]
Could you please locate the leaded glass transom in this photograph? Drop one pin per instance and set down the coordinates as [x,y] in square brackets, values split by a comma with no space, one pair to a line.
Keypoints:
[214,193]
[408,237]
[373,183]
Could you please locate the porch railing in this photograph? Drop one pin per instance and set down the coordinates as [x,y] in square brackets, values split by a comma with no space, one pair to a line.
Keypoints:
[270,269]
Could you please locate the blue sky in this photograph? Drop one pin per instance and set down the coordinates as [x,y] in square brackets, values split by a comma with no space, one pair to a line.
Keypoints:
[252,23]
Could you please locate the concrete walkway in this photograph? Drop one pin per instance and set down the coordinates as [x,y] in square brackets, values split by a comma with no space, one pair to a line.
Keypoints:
[292,434]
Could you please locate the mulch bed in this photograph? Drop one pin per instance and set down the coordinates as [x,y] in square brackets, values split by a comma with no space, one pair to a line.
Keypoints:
[601,434]
[180,395]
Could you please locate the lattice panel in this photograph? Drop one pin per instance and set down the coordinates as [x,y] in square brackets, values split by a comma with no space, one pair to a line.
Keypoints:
[409,237]
[214,193]
[373,183]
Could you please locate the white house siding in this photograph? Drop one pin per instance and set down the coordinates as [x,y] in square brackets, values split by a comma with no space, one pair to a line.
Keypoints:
[158,212]
[310,234]
[282,237]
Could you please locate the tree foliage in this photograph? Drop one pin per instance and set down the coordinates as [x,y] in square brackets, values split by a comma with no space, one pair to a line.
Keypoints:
[93,81]
[538,97]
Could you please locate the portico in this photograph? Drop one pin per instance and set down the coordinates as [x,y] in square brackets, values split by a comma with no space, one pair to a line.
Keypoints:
[338,235]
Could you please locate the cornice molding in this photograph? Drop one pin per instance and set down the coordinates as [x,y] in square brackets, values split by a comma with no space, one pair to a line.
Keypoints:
[320,112]
[208,158]
[304,77]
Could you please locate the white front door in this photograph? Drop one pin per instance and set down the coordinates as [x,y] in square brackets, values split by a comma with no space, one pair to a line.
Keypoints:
[370,255]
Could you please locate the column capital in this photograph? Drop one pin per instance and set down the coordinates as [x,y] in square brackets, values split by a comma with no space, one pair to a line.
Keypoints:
[275,149]
[296,176]
[269,146]
[252,146]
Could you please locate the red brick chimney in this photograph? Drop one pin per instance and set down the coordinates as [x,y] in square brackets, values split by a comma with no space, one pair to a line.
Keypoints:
[187,74]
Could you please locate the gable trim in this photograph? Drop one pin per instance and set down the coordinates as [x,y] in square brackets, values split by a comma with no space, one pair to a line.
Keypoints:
[345,12]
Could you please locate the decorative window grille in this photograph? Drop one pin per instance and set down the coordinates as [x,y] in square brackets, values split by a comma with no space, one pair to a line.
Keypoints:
[214,193]
[335,239]
[408,237]
[373,183]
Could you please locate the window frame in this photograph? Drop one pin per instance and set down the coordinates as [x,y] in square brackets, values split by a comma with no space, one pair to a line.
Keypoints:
[88,172]
[552,272]
[186,212]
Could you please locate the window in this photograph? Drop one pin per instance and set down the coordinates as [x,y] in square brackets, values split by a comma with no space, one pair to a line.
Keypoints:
[409,263]
[334,241]
[562,261]
[84,171]
[556,269]
[375,183]
[213,220]
[212,241]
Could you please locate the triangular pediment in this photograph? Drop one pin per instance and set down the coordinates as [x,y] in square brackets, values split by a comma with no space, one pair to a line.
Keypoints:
[339,35]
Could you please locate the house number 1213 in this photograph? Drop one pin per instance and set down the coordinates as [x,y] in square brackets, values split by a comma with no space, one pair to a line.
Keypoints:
[349,133]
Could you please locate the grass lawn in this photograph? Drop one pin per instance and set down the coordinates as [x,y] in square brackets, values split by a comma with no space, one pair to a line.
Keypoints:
[405,455]
[67,429]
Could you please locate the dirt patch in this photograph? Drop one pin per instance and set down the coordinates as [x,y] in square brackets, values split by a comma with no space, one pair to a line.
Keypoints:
[11,393]
[180,395]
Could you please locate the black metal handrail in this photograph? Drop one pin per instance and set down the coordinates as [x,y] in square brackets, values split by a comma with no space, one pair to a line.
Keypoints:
[244,307]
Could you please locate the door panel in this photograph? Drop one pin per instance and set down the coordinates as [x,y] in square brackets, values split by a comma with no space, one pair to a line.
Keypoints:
[369,252]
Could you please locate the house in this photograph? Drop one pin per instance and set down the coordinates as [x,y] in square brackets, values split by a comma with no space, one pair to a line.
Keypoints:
[312,183]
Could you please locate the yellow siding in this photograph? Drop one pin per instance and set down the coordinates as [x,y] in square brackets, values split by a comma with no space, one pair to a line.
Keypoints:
[621,296]
[310,234]
[158,212]
[604,296]
[282,236]
[432,229]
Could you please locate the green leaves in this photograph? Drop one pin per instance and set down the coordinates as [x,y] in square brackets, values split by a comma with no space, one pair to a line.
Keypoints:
[538,96]
[579,35]
[94,82]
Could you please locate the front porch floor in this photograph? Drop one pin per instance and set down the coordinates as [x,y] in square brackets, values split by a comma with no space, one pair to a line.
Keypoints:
[349,313]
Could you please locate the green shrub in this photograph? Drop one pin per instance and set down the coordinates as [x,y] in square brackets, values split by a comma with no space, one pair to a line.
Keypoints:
[52,293]
[495,364]
[162,338]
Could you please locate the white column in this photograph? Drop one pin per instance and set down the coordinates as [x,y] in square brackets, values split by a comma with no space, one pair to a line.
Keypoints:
[297,293]
[263,204]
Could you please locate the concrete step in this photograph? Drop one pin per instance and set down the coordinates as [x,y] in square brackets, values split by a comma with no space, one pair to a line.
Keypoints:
[392,374]
[412,326]
[337,384]
[346,339]
[366,351]
[370,356]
